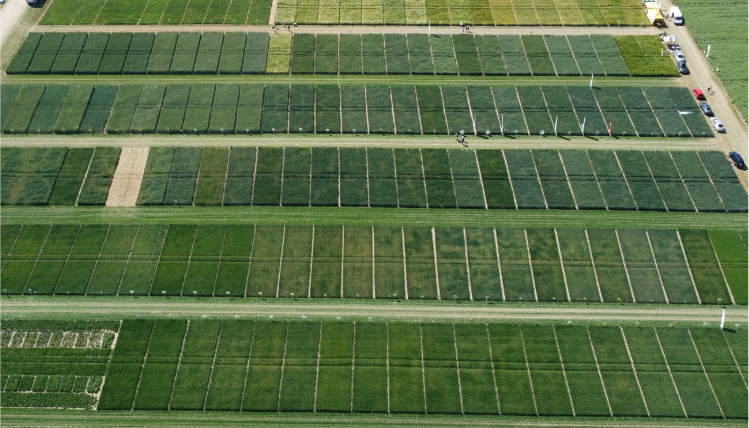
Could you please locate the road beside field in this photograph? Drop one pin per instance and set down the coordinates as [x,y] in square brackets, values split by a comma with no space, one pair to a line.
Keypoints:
[51,307]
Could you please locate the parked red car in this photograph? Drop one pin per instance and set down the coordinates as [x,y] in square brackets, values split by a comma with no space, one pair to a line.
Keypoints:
[698,94]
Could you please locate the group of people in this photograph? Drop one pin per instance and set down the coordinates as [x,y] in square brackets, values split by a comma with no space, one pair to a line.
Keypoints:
[461,139]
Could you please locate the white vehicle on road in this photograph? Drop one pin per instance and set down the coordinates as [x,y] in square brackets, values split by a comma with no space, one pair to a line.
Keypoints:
[717,124]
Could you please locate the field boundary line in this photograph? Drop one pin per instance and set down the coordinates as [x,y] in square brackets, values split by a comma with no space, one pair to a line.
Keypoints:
[481,179]
[626,180]
[179,362]
[543,95]
[165,230]
[353,365]
[366,162]
[395,177]
[465,91]
[226,174]
[624,263]
[213,364]
[517,97]
[561,262]
[634,370]
[657,269]
[218,263]
[564,371]
[249,262]
[343,256]
[405,269]
[65,263]
[280,262]
[684,183]
[317,370]
[374,271]
[390,96]
[254,175]
[424,179]
[98,257]
[595,174]
[722,273]
[509,178]
[85,177]
[494,375]
[593,263]
[127,260]
[423,372]
[499,264]
[710,177]
[387,361]
[311,258]
[689,268]
[530,264]
[494,103]
[528,370]
[670,374]
[12,247]
[738,367]
[309,181]
[283,364]
[457,362]
[197,176]
[705,373]
[283,170]
[538,177]
[468,268]
[189,259]
[338,154]
[566,175]
[142,365]
[652,176]
[366,109]
[452,178]
[436,267]
[247,366]
[574,57]
[632,122]
[600,375]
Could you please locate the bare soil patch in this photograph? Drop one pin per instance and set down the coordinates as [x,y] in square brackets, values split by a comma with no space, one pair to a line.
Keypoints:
[127,177]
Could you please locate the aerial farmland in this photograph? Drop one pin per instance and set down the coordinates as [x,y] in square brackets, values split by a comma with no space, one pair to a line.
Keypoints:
[372,212]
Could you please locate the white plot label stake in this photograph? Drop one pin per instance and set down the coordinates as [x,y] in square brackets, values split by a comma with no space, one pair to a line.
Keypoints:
[723,319]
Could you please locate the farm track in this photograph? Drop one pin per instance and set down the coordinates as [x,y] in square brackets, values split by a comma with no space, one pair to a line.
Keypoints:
[343,79]
[356,29]
[31,417]
[348,140]
[371,217]
[50,307]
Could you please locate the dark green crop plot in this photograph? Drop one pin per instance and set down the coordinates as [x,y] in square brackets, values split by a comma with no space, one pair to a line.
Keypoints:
[44,55]
[92,54]
[115,54]
[255,53]
[405,110]
[67,56]
[139,53]
[162,53]
[46,113]
[24,55]
[443,54]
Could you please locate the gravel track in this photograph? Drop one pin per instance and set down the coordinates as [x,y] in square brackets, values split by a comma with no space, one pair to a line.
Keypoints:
[116,307]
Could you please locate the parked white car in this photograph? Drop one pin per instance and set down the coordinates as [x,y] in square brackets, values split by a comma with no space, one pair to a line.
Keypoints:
[717,124]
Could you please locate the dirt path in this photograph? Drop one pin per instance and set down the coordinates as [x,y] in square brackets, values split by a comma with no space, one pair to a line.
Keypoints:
[442,141]
[10,16]
[354,29]
[115,307]
[127,177]
[702,76]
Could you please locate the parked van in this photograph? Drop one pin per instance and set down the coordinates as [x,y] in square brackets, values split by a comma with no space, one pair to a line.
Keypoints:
[675,14]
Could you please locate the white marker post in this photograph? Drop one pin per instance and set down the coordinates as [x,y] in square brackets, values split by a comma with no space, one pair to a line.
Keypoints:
[708,51]
[502,125]
[591,80]
[582,128]
[556,120]
[723,319]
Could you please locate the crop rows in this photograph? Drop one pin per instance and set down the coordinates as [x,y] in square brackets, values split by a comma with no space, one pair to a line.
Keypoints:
[50,364]
[234,108]
[457,12]
[395,367]
[141,53]
[595,265]
[438,178]
[104,12]
[417,54]
[57,176]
